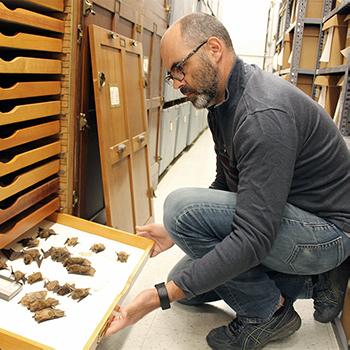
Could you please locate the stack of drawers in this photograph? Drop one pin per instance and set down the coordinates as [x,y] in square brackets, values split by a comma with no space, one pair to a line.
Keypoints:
[30,74]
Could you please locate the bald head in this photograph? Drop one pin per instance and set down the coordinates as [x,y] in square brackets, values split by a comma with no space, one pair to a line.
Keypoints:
[197,27]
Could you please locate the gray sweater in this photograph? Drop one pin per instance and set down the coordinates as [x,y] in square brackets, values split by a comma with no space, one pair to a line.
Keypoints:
[274,145]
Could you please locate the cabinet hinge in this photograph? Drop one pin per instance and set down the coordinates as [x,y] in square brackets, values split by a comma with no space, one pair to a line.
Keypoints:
[80,33]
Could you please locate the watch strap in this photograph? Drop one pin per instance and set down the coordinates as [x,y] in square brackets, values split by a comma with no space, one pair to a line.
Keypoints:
[163,296]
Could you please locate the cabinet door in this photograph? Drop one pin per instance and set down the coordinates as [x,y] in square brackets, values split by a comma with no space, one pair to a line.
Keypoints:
[122,130]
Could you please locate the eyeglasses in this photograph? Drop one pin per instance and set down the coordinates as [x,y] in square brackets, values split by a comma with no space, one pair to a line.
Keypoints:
[177,70]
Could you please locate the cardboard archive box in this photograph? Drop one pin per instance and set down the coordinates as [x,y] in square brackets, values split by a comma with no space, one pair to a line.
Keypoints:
[309,50]
[335,40]
[85,322]
[314,9]
[328,91]
[304,82]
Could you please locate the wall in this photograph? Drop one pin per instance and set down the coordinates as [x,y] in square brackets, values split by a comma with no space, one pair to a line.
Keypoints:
[246,22]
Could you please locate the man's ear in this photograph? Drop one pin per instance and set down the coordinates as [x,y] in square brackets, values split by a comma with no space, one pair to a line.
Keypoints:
[216,47]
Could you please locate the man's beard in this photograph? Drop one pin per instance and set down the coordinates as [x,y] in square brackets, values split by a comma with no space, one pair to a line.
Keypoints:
[207,82]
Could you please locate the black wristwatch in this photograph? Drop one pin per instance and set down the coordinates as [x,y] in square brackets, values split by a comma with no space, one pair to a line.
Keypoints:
[163,296]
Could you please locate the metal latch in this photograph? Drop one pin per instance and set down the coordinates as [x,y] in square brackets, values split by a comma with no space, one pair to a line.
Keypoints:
[75,198]
[88,8]
[80,33]
[83,123]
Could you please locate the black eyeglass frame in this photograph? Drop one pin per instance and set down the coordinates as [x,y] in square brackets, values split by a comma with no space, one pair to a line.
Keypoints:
[177,70]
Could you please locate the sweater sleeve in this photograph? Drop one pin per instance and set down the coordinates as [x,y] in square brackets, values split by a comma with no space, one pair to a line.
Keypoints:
[265,147]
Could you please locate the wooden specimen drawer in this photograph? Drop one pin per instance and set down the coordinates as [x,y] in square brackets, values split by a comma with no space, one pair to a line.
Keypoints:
[30,89]
[21,158]
[14,229]
[22,202]
[30,111]
[30,65]
[26,41]
[28,134]
[28,178]
[84,322]
[30,19]
[43,5]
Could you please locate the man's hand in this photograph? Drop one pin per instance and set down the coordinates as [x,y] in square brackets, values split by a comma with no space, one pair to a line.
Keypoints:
[144,303]
[158,234]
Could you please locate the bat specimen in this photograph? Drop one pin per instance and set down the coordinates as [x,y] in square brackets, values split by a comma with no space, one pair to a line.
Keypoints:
[77,261]
[31,297]
[122,256]
[3,264]
[47,314]
[35,277]
[18,276]
[31,255]
[38,305]
[59,254]
[30,242]
[65,289]
[72,242]
[81,269]
[97,247]
[52,286]
[79,293]
[45,232]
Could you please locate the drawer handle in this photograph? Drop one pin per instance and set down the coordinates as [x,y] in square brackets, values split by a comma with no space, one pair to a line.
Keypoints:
[121,148]
[141,138]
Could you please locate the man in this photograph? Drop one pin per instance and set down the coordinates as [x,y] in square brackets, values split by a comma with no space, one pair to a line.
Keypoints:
[275,224]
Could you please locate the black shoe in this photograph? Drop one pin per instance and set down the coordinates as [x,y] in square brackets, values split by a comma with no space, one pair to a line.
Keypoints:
[329,292]
[239,335]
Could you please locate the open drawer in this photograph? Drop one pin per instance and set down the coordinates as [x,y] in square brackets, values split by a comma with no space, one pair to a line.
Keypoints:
[86,321]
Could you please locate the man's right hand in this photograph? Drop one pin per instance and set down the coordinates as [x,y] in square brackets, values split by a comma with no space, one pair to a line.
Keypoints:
[158,234]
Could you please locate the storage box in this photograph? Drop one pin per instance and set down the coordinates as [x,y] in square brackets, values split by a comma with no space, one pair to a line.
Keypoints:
[85,322]
[334,41]
[304,82]
[328,91]
[314,9]
[309,49]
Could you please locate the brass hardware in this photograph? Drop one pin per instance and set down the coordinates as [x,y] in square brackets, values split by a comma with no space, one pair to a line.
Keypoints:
[101,79]
[139,28]
[80,33]
[141,138]
[83,123]
[121,148]
[88,8]
[112,35]
[133,43]
[75,198]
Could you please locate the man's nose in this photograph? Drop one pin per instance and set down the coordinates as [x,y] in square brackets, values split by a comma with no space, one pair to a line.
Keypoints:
[178,84]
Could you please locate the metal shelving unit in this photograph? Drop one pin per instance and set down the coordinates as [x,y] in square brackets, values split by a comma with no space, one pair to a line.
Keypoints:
[344,97]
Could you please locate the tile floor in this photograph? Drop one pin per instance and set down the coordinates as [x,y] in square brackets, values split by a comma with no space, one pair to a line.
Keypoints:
[185,328]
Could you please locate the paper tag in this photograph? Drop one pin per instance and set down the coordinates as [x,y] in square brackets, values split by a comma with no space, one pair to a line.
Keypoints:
[145,64]
[114,95]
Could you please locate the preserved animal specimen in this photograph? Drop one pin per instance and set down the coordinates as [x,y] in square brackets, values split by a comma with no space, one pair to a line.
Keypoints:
[122,256]
[79,293]
[3,265]
[52,286]
[11,254]
[72,242]
[30,242]
[45,232]
[35,277]
[97,247]
[31,297]
[57,254]
[32,255]
[76,261]
[47,314]
[65,289]
[42,304]
[18,276]
[81,270]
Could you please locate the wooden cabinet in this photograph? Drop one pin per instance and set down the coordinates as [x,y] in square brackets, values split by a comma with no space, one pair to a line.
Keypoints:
[144,22]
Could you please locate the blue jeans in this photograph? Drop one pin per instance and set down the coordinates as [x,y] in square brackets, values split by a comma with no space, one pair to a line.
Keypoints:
[305,245]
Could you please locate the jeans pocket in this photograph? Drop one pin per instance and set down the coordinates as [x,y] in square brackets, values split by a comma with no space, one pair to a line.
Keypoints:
[316,257]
